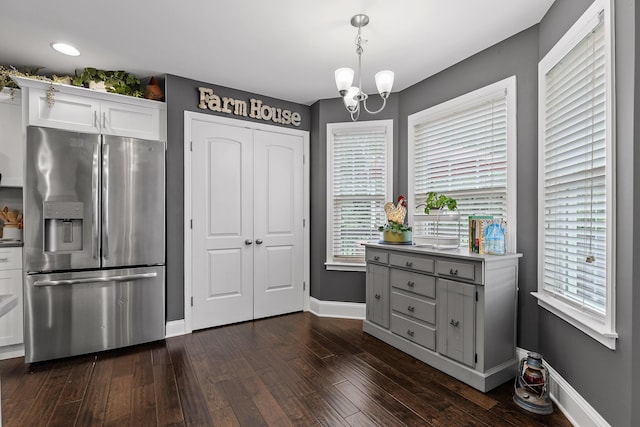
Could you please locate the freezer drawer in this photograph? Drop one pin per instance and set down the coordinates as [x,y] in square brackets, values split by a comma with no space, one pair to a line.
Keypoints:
[68,314]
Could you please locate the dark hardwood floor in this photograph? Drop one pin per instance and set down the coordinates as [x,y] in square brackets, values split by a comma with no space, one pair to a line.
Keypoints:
[292,370]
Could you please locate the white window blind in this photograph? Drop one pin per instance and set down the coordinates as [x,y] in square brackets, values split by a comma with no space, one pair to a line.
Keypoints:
[461,151]
[575,168]
[359,186]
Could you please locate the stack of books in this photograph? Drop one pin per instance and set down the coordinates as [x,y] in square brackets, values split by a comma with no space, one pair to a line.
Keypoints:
[486,235]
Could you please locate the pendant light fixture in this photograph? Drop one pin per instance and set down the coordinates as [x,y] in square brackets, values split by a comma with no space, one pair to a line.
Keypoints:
[353,96]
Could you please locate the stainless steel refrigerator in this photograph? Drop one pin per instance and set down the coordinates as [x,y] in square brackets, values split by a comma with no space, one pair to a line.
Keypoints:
[94,242]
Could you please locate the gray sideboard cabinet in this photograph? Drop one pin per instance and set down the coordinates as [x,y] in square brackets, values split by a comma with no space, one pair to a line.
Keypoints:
[451,309]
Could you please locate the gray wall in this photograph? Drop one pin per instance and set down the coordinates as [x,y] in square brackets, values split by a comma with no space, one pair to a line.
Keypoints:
[336,285]
[182,95]
[608,385]
[635,367]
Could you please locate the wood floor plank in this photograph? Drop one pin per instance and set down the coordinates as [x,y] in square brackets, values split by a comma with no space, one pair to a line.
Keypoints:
[268,406]
[243,406]
[95,398]
[224,417]
[64,415]
[119,399]
[194,408]
[168,409]
[143,407]
[360,420]
[322,411]
[77,381]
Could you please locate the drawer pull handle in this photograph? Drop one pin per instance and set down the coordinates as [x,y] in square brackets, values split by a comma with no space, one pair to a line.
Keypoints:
[4,259]
[455,323]
[410,284]
[410,332]
[376,258]
[409,264]
[453,272]
[411,309]
[377,296]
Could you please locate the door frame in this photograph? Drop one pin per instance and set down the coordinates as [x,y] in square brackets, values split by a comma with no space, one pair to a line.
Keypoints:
[189,118]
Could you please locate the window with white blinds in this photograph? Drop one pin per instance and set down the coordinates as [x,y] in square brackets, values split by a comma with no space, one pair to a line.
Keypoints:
[575,220]
[465,149]
[359,183]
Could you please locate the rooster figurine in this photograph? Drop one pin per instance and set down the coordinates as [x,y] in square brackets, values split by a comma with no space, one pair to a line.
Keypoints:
[396,212]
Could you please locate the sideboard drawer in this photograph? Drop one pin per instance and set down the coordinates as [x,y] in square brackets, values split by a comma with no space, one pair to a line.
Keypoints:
[414,307]
[413,282]
[413,331]
[415,263]
[378,256]
[458,270]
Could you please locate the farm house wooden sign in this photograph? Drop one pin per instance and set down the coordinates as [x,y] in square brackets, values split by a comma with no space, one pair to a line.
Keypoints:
[256,109]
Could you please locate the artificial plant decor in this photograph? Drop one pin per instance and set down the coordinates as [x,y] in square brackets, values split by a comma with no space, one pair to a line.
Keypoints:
[395,230]
[439,201]
[120,82]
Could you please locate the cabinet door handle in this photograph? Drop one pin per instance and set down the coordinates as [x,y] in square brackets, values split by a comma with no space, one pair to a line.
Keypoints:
[104,119]
[95,120]
[377,296]
[410,284]
[455,323]
[410,332]
[411,309]
[408,263]
[453,272]
[376,258]
[4,259]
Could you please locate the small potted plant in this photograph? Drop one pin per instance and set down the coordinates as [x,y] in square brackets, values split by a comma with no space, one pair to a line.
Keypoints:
[439,201]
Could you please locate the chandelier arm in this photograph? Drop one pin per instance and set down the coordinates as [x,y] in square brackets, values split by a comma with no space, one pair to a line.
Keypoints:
[384,102]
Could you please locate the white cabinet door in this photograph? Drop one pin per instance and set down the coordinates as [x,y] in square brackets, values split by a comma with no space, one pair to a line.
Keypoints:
[11,284]
[136,121]
[222,200]
[11,143]
[278,230]
[70,112]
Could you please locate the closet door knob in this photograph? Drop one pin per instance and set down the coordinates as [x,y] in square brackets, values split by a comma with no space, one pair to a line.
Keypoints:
[258,241]
[248,242]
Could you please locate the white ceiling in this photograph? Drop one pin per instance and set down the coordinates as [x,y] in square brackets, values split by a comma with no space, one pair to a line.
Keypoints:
[286,49]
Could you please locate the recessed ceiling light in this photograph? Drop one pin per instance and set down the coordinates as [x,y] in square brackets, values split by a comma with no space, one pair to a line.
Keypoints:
[66,49]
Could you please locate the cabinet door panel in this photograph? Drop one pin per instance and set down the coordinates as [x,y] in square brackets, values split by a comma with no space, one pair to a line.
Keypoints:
[11,323]
[11,141]
[378,294]
[456,320]
[136,121]
[70,112]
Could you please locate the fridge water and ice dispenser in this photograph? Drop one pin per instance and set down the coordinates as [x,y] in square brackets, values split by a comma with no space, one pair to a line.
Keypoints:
[63,226]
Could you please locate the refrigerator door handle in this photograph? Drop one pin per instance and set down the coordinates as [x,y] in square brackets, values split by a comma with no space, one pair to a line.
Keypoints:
[124,278]
[96,202]
[105,201]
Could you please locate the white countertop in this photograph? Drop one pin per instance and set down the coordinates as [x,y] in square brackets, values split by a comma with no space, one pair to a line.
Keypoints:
[461,252]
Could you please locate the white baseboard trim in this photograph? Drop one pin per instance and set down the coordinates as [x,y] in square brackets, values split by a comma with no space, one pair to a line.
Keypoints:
[577,410]
[345,310]
[11,351]
[174,328]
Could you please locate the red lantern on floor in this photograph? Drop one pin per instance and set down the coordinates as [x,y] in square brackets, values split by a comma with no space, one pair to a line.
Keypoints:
[531,386]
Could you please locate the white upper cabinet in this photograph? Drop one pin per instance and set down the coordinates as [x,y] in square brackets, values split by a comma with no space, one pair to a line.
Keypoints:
[84,110]
[11,138]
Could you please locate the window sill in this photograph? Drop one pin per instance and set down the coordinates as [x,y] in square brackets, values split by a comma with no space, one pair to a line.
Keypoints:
[343,266]
[579,320]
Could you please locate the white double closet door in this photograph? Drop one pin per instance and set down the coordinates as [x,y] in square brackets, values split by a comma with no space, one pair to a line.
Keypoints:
[247,211]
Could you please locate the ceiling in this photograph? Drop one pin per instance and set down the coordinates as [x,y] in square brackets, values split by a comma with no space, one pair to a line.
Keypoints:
[286,49]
